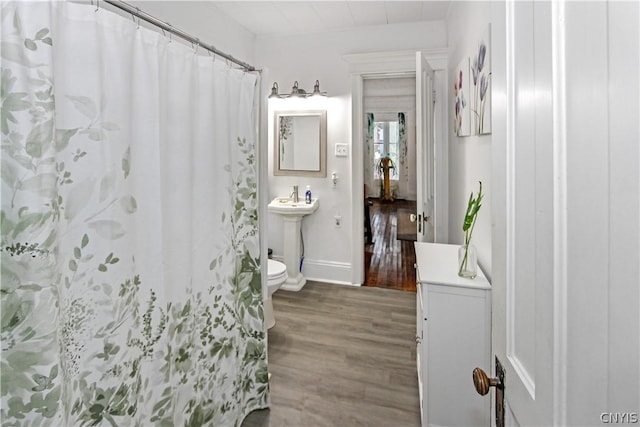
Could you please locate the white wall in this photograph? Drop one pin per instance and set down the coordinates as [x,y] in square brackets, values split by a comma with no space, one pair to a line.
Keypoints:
[469,156]
[312,57]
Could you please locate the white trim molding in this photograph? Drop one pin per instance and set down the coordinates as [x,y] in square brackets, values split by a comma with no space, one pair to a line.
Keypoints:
[323,271]
[401,62]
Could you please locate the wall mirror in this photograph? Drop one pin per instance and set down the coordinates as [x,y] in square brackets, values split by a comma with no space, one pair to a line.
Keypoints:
[300,143]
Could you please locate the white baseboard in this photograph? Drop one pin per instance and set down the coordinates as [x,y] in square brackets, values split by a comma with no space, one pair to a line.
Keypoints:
[326,271]
[334,282]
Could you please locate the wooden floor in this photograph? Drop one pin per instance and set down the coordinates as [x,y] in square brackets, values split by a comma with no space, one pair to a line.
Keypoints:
[342,356]
[389,262]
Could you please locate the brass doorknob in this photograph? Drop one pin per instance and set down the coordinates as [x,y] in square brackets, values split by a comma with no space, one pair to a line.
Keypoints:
[483,383]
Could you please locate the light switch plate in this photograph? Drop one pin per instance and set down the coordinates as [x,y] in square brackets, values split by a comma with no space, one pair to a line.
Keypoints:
[342,150]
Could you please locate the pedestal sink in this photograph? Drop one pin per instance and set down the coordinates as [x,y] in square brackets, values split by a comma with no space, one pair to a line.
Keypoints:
[292,214]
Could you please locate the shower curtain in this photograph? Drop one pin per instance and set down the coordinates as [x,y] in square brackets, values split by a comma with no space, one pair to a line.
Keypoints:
[131,290]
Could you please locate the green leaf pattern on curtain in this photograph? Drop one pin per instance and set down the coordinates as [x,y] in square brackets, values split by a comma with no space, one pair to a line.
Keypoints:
[85,341]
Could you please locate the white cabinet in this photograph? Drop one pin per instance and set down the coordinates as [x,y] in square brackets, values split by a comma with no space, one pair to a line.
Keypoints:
[453,337]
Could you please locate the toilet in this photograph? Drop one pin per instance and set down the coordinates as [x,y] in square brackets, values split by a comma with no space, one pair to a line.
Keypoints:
[276,276]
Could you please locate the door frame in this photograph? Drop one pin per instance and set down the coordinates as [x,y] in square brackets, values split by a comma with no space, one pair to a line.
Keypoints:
[395,64]
[425,150]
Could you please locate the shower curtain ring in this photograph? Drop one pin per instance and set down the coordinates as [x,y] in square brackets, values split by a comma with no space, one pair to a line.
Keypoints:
[137,15]
[196,45]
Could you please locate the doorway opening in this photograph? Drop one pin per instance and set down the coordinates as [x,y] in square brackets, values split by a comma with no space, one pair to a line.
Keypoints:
[370,66]
[389,176]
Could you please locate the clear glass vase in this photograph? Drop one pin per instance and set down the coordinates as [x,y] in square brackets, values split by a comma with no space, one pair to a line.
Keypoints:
[467,261]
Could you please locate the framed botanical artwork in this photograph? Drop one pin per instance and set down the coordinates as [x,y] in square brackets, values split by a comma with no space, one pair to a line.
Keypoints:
[480,64]
[462,114]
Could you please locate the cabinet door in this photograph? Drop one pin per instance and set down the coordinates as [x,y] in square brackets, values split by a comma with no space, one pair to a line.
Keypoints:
[456,336]
[420,346]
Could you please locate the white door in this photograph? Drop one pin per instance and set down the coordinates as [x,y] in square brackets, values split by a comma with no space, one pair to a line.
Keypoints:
[565,203]
[522,210]
[425,167]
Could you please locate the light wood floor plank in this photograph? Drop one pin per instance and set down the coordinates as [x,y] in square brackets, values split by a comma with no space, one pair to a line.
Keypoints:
[342,356]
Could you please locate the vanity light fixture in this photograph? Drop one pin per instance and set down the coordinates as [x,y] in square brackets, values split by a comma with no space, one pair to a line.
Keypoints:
[296,91]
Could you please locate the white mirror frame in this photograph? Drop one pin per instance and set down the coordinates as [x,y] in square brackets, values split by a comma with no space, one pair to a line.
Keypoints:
[322,143]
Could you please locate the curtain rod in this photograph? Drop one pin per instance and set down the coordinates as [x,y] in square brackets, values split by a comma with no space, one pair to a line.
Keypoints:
[135,11]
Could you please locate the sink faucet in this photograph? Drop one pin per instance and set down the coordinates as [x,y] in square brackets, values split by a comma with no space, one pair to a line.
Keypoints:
[294,195]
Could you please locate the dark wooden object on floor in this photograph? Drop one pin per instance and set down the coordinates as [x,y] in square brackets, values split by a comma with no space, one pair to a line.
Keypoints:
[367,221]
[389,262]
[342,356]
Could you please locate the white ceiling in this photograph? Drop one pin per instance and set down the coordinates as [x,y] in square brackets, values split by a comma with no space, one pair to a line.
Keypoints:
[272,18]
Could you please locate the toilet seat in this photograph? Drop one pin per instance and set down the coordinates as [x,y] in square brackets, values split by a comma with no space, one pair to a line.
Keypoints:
[276,273]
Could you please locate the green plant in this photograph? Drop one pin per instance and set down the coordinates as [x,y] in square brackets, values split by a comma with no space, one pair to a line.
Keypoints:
[470,217]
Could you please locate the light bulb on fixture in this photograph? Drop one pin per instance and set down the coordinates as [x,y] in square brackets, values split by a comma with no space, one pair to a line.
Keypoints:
[274,91]
[297,92]
[316,89]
